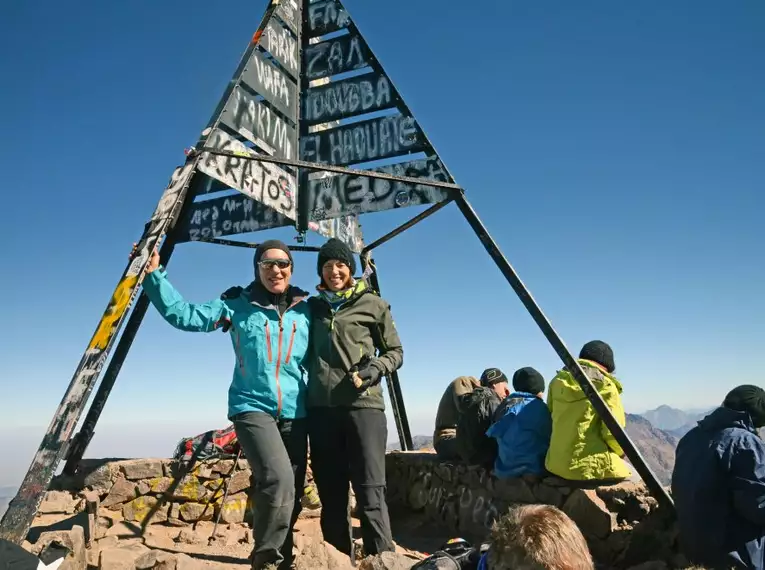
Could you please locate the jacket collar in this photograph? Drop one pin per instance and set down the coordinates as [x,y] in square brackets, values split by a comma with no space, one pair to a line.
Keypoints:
[353,292]
[258,295]
[723,417]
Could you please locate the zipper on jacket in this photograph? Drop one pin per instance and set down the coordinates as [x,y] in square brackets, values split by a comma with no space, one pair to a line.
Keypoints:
[278,365]
[292,340]
[268,342]
[331,346]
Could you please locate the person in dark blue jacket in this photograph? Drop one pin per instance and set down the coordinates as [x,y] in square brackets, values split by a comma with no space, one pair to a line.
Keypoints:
[718,485]
[522,427]
[268,322]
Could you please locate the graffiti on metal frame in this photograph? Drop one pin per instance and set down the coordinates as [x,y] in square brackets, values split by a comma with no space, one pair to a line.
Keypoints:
[274,85]
[266,183]
[326,17]
[259,124]
[226,216]
[289,12]
[355,96]
[346,229]
[343,194]
[334,56]
[280,43]
[364,141]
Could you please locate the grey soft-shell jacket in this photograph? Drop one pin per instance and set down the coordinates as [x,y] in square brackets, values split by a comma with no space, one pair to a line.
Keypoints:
[360,326]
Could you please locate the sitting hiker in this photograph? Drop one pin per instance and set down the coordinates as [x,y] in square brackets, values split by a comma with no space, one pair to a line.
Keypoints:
[719,484]
[582,448]
[444,437]
[528,537]
[477,414]
[522,427]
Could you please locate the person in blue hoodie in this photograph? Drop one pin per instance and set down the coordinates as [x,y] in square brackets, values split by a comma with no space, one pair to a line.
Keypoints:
[718,485]
[522,427]
[268,322]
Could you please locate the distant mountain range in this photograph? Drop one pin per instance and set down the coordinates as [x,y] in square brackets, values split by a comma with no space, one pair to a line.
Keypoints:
[674,421]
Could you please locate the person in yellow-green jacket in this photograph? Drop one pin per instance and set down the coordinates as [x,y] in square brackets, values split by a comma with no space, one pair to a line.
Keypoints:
[582,448]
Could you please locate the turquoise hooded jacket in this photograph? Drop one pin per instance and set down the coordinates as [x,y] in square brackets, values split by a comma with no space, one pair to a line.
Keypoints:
[269,375]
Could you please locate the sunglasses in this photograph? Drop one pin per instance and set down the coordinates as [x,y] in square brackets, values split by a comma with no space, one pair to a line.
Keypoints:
[269,263]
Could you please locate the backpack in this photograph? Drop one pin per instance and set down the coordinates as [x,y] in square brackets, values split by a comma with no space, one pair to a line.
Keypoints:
[456,554]
[477,411]
[208,444]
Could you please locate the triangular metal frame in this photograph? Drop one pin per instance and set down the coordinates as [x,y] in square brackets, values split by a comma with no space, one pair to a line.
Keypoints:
[265,175]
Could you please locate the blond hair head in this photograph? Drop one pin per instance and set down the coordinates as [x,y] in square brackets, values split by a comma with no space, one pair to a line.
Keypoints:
[538,537]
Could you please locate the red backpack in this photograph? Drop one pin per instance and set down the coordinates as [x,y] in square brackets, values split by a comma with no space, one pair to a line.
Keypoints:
[208,444]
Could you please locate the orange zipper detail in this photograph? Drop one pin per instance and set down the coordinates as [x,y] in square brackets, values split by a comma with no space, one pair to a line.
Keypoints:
[278,365]
[268,342]
[292,340]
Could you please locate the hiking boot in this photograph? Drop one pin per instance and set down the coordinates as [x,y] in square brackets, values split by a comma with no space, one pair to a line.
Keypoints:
[310,499]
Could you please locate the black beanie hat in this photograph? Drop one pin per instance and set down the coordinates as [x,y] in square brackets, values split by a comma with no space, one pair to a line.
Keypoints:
[336,249]
[598,351]
[270,244]
[492,376]
[750,399]
[528,379]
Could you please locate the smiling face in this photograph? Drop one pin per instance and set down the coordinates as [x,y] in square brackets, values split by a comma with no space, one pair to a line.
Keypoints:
[336,274]
[275,270]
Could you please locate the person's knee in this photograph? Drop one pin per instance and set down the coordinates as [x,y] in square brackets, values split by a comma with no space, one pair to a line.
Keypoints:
[371,497]
[277,483]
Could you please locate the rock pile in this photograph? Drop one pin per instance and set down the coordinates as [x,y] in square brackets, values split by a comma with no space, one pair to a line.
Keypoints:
[623,524]
[157,490]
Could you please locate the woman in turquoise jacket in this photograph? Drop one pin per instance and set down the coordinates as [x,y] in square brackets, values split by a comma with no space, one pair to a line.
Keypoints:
[268,322]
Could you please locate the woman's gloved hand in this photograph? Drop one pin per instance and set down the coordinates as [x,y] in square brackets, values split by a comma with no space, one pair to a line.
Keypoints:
[366,374]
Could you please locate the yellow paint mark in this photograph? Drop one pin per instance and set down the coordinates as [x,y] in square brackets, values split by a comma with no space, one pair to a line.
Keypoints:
[117,306]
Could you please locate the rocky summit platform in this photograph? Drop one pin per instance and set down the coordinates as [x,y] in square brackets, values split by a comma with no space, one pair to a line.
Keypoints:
[152,513]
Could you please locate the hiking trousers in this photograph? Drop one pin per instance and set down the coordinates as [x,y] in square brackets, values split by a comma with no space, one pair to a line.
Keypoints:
[276,451]
[348,445]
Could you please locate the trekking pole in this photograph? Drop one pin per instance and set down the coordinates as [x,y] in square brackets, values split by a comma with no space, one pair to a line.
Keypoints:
[226,486]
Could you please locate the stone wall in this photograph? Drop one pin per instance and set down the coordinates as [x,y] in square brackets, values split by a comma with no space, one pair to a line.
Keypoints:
[133,490]
[623,524]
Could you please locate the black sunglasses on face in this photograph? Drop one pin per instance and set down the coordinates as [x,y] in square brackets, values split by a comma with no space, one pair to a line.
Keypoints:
[269,263]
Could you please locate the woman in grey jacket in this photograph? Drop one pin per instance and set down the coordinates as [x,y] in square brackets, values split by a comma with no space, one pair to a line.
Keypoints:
[354,344]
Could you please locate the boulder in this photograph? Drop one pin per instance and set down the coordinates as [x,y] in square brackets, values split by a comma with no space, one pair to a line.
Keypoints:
[121,557]
[223,466]
[156,560]
[142,469]
[138,509]
[387,561]
[121,492]
[73,540]
[589,512]
[97,475]
[190,489]
[239,481]
[234,509]
[513,491]
[193,512]
[188,536]
[548,495]
[59,502]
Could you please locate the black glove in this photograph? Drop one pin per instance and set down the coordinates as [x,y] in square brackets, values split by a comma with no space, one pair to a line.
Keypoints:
[368,375]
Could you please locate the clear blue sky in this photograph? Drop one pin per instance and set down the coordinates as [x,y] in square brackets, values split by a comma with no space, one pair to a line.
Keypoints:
[614,150]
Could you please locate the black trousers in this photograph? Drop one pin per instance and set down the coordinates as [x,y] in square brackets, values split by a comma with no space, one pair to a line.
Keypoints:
[348,445]
[276,451]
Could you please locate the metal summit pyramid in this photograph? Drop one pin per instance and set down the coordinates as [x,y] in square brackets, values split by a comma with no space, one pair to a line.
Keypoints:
[310,132]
